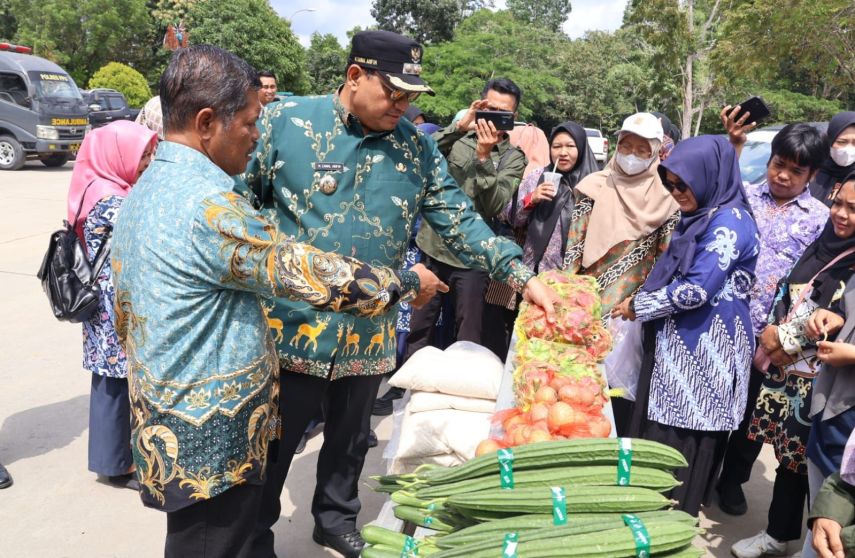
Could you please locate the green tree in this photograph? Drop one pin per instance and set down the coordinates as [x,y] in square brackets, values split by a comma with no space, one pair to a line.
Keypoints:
[807,46]
[356,29]
[606,78]
[8,22]
[125,79]
[681,34]
[326,62]
[786,106]
[83,35]
[487,45]
[171,11]
[254,31]
[548,14]
[427,22]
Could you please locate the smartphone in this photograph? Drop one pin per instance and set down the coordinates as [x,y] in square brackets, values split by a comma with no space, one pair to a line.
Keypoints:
[758,109]
[501,119]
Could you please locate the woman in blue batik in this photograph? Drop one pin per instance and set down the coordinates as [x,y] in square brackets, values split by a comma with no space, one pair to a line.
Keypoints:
[698,338]
[108,165]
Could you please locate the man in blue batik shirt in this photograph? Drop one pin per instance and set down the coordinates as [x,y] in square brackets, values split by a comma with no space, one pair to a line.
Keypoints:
[190,258]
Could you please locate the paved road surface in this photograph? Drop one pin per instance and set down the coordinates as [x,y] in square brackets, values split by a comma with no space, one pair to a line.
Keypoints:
[55,508]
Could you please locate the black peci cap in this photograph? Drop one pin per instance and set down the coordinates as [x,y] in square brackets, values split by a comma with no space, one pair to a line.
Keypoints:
[397,58]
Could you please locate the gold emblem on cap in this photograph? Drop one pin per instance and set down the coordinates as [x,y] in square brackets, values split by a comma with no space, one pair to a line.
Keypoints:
[412,69]
[639,120]
[416,52]
[328,184]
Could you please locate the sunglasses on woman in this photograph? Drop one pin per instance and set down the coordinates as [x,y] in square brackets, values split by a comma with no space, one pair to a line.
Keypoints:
[680,186]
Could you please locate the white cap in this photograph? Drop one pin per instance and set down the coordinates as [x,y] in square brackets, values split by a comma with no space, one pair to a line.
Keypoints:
[645,125]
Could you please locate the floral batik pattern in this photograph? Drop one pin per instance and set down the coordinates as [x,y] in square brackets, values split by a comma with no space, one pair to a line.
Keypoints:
[785,232]
[704,340]
[781,415]
[191,262]
[325,181]
[624,268]
[102,353]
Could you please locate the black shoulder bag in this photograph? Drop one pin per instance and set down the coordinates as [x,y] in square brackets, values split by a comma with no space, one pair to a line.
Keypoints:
[69,280]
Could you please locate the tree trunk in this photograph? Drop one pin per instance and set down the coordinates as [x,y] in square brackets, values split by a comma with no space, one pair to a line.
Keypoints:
[688,98]
[700,117]
[689,82]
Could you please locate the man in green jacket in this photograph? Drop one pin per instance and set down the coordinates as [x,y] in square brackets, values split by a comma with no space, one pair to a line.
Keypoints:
[489,170]
[346,173]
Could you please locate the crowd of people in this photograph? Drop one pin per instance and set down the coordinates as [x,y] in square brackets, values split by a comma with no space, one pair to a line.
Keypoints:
[273,258]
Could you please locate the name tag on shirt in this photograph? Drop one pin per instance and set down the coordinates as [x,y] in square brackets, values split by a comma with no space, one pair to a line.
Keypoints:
[329,167]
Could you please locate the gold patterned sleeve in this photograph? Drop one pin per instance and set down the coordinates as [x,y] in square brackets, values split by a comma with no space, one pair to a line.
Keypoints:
[240,249]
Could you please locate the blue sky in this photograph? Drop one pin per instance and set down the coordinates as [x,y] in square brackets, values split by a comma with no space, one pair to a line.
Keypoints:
[339,16]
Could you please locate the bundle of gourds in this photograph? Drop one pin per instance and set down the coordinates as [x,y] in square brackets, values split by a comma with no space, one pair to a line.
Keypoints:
[591,498]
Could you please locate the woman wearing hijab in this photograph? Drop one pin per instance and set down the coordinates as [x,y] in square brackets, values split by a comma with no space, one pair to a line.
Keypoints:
[789,219]
[831,449]
[623,216]
[544,211]
[694,305]
[534,144]
[110,160]
[415,115]
[841,160]
[671,138]
[832,410]
[782,411]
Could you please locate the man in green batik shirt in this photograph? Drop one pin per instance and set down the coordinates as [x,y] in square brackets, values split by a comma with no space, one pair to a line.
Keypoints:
[345,173]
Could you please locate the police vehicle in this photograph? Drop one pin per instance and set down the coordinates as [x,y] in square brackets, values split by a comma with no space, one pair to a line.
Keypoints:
[42,113]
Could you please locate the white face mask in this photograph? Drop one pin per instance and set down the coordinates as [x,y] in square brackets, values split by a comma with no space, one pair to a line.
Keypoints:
[843,156]
[631,164]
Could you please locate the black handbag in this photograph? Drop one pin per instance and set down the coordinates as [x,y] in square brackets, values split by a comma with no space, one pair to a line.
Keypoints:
[69,280]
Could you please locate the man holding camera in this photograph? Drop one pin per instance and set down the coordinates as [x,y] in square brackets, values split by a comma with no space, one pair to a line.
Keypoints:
[489,170]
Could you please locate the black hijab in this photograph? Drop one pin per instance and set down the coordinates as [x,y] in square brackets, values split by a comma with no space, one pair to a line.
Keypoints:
[668,127]
[546,215]
[831,174]
[819,254]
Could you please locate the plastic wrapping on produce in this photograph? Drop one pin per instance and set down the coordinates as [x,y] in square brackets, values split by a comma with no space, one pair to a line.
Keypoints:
[623,364]
[399,407]
[505,398]
[578,315]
